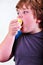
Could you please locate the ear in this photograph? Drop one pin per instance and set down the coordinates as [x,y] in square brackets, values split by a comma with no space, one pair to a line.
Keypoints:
[38,21]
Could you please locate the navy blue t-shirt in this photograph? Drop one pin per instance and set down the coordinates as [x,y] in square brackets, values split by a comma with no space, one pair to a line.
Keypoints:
[28,49]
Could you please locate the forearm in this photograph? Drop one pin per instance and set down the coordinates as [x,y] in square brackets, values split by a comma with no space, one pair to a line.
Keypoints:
[6,47]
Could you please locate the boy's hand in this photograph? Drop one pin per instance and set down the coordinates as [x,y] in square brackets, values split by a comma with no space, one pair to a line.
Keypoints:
[14,27]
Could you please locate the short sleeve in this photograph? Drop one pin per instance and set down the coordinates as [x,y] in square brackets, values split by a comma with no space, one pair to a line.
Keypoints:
[13,50]
[15,43]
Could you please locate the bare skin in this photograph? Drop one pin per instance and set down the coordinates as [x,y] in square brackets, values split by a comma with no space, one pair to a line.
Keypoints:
[30,24]
[6,45]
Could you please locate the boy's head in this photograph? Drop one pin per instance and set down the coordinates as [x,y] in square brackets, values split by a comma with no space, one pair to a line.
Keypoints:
[36,6]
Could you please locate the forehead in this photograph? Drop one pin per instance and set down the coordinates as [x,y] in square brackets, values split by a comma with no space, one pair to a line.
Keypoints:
[24,8]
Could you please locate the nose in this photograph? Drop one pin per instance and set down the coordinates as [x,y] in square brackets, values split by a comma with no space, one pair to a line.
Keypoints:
[20,16]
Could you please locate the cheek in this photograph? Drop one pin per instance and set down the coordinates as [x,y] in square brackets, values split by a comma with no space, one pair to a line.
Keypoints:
[28,20]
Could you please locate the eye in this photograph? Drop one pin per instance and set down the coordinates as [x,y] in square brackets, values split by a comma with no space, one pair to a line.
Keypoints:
[25,12]
[18,13]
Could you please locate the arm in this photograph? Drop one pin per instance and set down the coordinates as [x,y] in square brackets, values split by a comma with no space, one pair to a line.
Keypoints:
[6,48]
[7,44]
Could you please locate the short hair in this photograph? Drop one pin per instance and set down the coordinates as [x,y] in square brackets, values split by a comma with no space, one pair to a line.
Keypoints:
[36,6]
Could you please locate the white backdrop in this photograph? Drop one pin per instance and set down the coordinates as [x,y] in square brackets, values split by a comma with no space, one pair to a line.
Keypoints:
[7,13]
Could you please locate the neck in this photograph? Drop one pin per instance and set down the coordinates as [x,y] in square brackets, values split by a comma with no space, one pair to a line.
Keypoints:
[36,30]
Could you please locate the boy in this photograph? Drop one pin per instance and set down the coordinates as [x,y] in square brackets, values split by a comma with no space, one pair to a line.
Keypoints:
[27,49]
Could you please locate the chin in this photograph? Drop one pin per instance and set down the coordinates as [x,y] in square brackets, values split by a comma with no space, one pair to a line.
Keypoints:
[23,31]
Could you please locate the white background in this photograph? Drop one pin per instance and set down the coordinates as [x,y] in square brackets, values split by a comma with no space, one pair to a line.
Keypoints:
[7,13]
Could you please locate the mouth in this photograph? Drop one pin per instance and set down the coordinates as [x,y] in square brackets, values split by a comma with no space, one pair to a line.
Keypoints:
[22,23]
[21,26]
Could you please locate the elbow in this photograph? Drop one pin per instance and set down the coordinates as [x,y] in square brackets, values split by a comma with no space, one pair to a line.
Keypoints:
[4,59]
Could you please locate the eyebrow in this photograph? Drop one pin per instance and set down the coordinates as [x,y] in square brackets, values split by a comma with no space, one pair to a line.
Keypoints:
[21,8]
[16,9]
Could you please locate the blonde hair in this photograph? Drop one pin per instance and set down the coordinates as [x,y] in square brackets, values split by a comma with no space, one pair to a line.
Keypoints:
[36,6]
